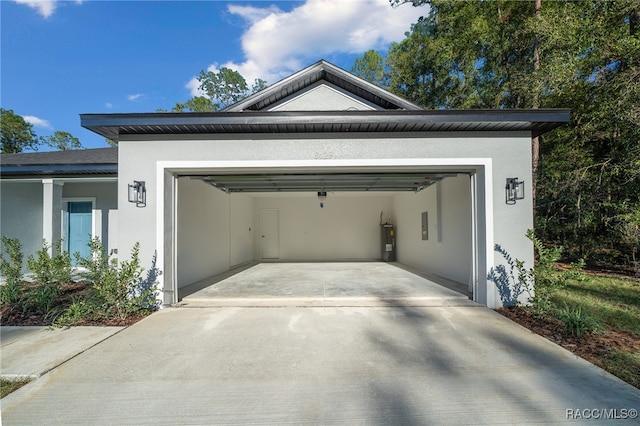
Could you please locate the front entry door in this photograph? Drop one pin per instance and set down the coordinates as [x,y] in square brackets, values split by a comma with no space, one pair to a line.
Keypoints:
[269,234]
[80,227]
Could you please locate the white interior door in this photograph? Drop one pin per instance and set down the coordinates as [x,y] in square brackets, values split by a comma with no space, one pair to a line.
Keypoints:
[269,234]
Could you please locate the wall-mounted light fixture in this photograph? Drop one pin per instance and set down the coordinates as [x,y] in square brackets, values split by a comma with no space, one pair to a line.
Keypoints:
[514,190]
[322,196]
[138,193]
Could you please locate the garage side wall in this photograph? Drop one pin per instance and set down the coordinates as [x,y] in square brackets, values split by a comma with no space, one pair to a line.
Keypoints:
[203,231]
[447,251]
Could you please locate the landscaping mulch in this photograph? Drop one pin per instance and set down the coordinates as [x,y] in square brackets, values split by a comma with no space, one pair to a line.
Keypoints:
[594,347]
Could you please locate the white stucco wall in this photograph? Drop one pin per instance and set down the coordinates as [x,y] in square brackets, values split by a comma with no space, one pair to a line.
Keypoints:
[138,224]
[501,155]
[23,210]
[242,229]
[447,251]
[346,228]
[21,214]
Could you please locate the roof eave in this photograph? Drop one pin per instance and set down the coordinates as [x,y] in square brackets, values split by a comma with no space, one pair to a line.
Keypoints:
[13,171]
[538,121]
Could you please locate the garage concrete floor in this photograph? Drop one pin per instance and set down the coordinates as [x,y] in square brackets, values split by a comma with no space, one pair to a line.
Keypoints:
[326,284]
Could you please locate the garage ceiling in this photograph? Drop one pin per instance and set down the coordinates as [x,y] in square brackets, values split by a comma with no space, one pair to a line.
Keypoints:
[413,182]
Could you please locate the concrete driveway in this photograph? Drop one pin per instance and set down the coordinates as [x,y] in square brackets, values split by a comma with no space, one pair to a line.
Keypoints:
[323,365]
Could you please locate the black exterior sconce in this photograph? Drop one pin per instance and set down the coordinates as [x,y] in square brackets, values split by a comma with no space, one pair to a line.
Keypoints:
[138,193]
[514,190]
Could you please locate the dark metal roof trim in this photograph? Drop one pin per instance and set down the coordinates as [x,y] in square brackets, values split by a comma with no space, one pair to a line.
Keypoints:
[538,121]
[97,161]
[79,156]
[59,170]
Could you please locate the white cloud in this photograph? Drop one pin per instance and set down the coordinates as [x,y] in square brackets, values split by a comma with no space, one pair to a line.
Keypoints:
[43,7]
[108,105]
[38,122]
[135,97]
[194,87]
[277,43]
[46,8]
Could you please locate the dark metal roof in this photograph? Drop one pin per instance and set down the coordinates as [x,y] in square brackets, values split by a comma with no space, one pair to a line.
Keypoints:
[537,121]
[99,161]
[321,71]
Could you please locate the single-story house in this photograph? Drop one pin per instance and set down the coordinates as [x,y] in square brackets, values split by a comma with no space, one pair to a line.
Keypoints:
[69,195]
[311,168]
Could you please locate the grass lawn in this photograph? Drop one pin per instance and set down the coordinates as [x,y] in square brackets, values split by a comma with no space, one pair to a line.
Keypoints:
[614,302]
[8,386]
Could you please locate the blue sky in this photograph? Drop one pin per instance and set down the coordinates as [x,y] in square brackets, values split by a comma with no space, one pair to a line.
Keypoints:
[60,59]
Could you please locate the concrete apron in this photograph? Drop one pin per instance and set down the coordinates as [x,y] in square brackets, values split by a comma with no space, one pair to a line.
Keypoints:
[336,284]
[326,366]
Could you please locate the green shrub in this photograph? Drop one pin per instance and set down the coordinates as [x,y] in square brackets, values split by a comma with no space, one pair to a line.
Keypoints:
[10,292]
[11,270]
[79,310]
[576,321]
[61,268]
[50,274]
[51,270]
[547,280]
[540,283]
[42,298]
[118,285]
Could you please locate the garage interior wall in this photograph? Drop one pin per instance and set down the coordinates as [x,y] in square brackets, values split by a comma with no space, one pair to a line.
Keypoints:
[447,252]
[217,231]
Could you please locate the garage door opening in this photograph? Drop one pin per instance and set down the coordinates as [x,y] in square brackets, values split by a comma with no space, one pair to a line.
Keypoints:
[225,222]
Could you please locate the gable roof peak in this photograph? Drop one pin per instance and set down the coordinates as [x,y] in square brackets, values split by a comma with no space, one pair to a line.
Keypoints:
[325,71]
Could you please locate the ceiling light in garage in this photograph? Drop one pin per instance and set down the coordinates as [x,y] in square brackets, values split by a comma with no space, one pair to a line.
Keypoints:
[322,196]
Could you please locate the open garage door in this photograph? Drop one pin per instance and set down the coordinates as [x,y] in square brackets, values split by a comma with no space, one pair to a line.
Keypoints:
[221,220]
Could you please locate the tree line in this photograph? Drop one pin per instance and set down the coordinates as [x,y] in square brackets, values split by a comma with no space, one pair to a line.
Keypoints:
[583,55]
[17,135]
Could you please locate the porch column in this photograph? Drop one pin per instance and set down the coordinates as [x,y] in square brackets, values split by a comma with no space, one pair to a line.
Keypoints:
[51,212]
